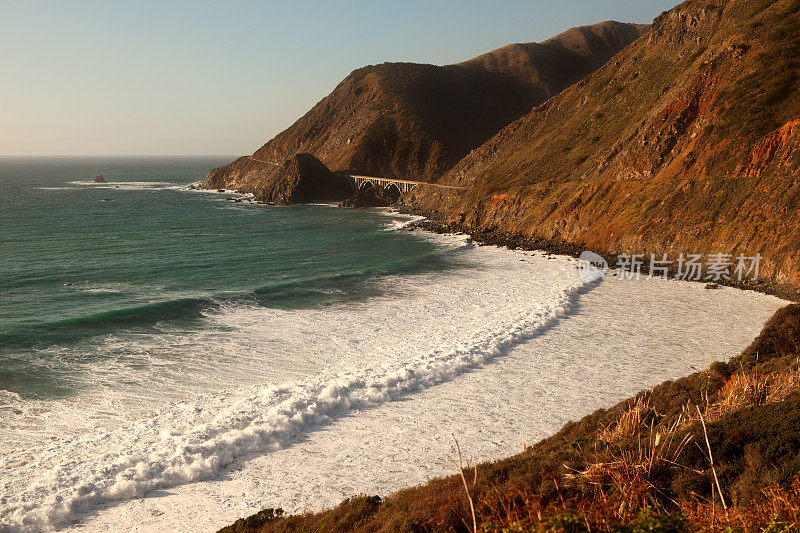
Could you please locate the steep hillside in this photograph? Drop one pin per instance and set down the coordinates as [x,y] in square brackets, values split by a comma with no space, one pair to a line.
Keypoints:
[555,63]
[412,120]
[686,142]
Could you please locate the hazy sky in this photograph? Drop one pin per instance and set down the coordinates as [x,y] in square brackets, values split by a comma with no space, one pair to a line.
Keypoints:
[168,77]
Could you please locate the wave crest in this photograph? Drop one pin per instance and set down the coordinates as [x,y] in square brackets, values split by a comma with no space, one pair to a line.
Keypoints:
[210,433]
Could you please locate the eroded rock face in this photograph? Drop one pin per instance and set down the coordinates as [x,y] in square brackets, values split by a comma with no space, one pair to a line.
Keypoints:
[300,179]
[305,179]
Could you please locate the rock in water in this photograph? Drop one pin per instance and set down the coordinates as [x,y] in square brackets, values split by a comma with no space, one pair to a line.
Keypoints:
[304,178]
[98,178]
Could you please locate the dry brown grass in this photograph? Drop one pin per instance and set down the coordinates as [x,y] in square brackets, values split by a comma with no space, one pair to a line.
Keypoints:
[745,390]
[628,474]
[630,423]
[778,510]
[467,490]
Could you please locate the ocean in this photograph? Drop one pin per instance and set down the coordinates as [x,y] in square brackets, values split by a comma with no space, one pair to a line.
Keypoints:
[167,354]
[90,269]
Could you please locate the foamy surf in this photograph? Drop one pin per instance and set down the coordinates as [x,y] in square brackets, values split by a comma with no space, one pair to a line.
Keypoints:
[402,222]
[622,337]
[479,319]
[117,185]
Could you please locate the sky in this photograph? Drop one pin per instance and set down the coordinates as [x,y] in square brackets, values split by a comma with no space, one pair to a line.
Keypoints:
[170,77]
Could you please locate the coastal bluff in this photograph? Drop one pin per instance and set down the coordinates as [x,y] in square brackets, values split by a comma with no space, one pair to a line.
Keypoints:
[300,179]
[687,141]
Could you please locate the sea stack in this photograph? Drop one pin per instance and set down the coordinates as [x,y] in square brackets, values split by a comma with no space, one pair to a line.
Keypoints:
[98,178]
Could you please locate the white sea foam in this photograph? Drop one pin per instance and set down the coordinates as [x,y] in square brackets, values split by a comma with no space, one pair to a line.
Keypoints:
[119,185]
[423,341]
[400,221]
[126,185]
[623,337]
[459,322]
[142,186]
[195,187]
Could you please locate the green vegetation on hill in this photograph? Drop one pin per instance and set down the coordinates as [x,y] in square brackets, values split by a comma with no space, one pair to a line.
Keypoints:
[769,96]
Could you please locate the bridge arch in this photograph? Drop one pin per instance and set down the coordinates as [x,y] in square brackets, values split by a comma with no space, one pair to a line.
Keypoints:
[364,185]
[393,191]
[391,185]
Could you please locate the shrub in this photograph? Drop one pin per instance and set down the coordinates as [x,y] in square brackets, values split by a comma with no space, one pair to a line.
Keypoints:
[568,521]
[650,521]
[253,522]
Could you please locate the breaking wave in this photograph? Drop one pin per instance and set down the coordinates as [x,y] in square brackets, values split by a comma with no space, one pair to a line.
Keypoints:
[194,440]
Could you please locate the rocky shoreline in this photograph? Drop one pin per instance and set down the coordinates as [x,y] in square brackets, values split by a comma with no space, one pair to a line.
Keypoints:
[436,223]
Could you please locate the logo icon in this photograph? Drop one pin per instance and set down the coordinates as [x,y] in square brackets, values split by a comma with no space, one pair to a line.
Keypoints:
[591,266]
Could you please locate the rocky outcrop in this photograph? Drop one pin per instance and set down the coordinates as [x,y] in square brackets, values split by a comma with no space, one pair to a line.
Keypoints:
[416,121]
[300,179]
[98,178]
[687,141]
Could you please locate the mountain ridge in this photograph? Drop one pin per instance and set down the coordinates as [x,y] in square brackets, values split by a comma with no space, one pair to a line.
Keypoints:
[411,120]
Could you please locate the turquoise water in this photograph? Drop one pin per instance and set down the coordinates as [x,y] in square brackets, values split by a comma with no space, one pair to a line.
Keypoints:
[82,261]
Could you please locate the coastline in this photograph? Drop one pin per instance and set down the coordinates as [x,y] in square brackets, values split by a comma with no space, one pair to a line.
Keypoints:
[373,368]
[443,496]
[147,510]
[517,269]
[544,487]
[437,223]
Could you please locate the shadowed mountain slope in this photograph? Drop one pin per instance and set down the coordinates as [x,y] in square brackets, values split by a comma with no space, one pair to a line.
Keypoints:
[416,121]
[555,63]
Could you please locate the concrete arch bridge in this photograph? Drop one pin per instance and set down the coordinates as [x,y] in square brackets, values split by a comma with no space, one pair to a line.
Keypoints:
[402,186]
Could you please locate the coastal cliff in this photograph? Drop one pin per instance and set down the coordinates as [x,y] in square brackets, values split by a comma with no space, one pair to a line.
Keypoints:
[300,179]
[417,121]
[687,141]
